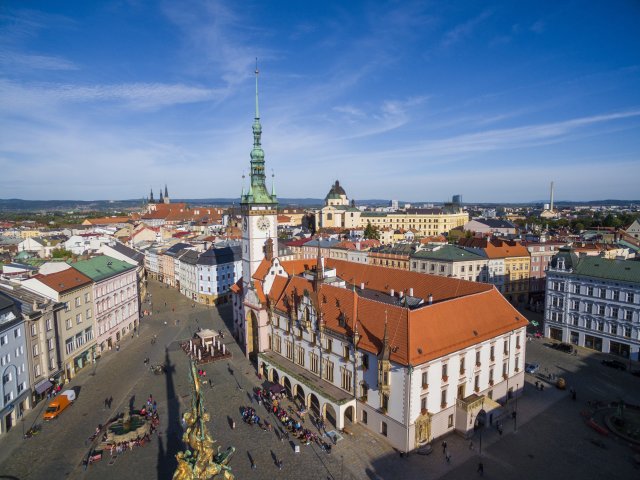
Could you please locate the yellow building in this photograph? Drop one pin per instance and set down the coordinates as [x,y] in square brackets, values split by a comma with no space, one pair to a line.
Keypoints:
[424,221]
[337,213]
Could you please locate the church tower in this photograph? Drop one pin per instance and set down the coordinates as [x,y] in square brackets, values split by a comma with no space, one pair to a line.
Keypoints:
[166,194]
[259,209]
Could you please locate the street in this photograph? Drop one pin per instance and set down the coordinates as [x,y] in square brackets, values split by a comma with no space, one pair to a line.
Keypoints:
[551,441]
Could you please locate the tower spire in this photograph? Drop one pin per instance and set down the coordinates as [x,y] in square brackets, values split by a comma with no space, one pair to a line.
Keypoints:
[257,73]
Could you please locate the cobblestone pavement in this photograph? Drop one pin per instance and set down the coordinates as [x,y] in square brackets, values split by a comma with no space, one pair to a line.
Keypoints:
[551,440]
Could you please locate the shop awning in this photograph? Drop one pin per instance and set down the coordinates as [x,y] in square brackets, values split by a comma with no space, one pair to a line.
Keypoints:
[42,386]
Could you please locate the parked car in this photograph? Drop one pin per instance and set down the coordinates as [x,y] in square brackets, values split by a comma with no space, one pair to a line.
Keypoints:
[59,403]
[617,364]
[531,368]
[563,347]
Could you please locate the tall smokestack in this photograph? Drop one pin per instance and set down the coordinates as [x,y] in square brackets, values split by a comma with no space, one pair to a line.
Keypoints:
[551,203]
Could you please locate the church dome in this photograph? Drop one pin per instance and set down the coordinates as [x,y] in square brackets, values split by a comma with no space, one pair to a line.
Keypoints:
[336,191]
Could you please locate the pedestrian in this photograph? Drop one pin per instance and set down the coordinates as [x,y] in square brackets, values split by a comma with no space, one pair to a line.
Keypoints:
[106,402]
[110,401]
[481,469]
[444,447]
[537,385]
[471,445]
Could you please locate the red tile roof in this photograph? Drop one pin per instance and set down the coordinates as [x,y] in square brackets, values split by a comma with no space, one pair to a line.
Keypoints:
[65,280]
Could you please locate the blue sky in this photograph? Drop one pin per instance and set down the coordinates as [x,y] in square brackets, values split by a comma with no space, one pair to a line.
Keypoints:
[414,101]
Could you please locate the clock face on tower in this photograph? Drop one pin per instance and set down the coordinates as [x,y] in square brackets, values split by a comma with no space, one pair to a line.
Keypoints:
[263,223]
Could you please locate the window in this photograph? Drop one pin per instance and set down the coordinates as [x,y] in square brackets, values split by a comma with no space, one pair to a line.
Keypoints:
[4,340]
[505,349]
[49,324]
[17,333]
[329,345]
[588,308]
[445,369]
[77,301]
[461,365]
[590,291]
[600,309]
[603,293]
[277,344]
[313,360]
[575,305]
[365,361]
[615,295]
[630,297]
[364,392]
[345,352]
[51,344]
[289,349]
[6,378]
[88,314]
[628,315]
[504,370]
[425,380]
[450,421]
[385,402]
[34,329]
[69,345]
[327,370]
[492,353]
[364,417]
[383,428]
[478,358]
[614,312]
[87,298]
[627,332]
[37,370]
[443,398]
[476,383]
[347,379]
[491,376]
[423,403]
[88,334]
[300,356]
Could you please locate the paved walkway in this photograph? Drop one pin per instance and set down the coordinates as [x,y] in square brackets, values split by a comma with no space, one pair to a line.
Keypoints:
[551,438]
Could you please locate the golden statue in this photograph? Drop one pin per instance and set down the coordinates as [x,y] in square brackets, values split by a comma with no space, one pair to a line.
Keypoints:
[198,461]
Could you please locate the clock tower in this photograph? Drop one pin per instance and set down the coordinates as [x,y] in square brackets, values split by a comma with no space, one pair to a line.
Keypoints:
[259,209]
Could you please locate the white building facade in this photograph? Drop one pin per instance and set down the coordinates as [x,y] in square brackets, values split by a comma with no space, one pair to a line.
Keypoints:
[594,302]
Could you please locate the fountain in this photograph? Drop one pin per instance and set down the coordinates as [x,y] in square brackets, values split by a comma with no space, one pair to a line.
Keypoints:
[129,427]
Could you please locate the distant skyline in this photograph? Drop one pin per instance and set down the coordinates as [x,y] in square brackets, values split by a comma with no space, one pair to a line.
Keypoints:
[415,101]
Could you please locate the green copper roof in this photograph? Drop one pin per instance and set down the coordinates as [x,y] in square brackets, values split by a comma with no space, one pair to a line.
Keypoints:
[449,253]
[258,192]
[598,267]
[99,268]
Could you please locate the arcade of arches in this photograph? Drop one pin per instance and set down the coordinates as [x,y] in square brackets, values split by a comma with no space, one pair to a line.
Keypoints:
[335,413]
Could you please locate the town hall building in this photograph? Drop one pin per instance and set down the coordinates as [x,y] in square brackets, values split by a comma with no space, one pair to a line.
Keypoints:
[408,355]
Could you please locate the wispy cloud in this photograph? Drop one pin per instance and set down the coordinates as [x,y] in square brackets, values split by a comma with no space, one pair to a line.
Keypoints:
[464,30]
[37,62]
[145,96]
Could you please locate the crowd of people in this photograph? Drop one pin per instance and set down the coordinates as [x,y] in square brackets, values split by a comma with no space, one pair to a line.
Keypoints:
[292,425]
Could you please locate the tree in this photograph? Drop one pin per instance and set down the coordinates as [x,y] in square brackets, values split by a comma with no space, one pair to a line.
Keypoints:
[371,232]
[61,253]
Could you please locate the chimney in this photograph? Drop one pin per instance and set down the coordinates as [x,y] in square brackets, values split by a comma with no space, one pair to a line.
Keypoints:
[411,292]
[392,293]
[361,285]
[400,294]
[430,299]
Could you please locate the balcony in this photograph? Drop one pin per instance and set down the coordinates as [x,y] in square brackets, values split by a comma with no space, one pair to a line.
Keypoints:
[425,386]
[505,376]
[445,378]
[491,382]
